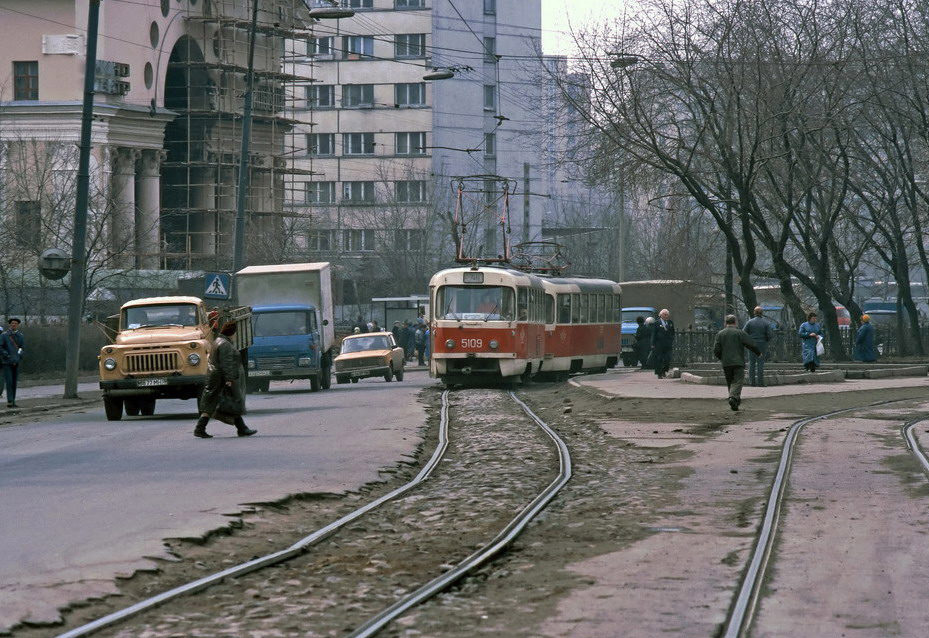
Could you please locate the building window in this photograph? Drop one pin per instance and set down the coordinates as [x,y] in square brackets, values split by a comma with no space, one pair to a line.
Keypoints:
[410,94]
[357,95]
[320,192]
[357,143]
[490,7]
[490,97]
[358,4]
[356,239]
[411,144]
[320,144]
[410,191]
[490,145]
[358,192]
[28,223]
[320,46]
[25,80]
[320,240]
[410,45]
[355,47]
[406,239]
[490,50]
[320,96]
[409,4]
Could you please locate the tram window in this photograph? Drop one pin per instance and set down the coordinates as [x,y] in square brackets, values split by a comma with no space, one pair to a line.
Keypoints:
[549,309]
[595,307]
[564,308]
[601,308]
[522,312]
[575,308]
[582,312]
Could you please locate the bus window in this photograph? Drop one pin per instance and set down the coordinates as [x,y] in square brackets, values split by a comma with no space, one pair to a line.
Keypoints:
[522,312]
[549,309]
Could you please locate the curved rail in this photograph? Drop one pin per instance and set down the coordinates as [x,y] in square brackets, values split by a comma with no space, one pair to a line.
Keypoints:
[747,599]
[488,551]
[913,443]
[277,557]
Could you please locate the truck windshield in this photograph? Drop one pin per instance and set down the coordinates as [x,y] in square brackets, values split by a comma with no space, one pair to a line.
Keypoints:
[179,314]
[357,344]
[485,303]
[630,315]
[279,324]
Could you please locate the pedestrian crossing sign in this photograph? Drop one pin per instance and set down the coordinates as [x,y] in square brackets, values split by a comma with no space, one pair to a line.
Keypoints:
[216,286]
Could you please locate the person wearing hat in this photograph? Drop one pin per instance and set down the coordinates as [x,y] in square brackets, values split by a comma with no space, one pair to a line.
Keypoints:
[864,341]
[224,395]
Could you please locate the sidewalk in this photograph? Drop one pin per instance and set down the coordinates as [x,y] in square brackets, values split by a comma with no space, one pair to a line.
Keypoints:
[645,385]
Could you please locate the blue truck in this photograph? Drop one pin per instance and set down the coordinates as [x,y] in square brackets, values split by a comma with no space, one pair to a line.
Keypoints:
[627,335]
[292,323]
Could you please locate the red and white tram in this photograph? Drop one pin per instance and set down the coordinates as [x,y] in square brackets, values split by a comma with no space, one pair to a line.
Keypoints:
[498,324]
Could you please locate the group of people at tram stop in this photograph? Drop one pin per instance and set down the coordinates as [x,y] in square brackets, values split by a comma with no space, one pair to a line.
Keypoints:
[654,341]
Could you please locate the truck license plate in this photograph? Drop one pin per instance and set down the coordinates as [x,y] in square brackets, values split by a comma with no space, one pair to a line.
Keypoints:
[259,373]
[147,383]
[357,374]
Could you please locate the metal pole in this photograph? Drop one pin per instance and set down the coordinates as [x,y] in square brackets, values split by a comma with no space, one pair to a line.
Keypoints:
[620,246]
[78,246]
[526,201]
[238,259]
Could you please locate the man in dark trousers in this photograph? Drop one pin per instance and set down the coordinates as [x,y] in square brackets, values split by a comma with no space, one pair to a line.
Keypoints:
[729,348]
[760,330]
[662,342]
[12,347]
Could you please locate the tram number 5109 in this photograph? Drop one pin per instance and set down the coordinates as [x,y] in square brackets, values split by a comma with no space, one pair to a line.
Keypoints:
[472,343]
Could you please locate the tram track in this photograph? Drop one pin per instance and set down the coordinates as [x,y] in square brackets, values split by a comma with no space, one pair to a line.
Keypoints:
[742,611]
[451,572]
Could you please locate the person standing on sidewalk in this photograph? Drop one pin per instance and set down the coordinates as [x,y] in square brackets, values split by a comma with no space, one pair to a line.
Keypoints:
[864,342]
[662,343]
[224,394]
[729,347]
[810,333]
[420,340]
[759,329]
[12,347]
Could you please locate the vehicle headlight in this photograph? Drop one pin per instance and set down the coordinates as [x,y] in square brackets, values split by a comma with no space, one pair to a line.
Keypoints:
[109,363]
[304,361]
[251,364]
[493,344]
[450,343]
[193,359]
[193,345]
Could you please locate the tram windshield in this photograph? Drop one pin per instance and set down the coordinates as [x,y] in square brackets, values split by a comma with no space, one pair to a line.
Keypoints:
[476,303]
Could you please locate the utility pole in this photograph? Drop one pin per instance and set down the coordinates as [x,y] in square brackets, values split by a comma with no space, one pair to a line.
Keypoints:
[238,259]
[526,179]
[620,244]
[78,246]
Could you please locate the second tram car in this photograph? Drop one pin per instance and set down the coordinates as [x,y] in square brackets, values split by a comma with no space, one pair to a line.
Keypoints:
[497,324]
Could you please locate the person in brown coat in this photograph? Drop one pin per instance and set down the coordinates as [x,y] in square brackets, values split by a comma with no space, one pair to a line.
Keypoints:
[729,347]
[224,395]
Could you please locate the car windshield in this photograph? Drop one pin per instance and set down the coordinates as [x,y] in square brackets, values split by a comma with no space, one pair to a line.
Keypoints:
[358,344]
[184,314]
[278,324]
[484,303]
[630,315]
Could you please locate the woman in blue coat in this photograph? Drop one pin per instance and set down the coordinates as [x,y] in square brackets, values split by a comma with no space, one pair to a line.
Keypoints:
[809,331]
[864,341]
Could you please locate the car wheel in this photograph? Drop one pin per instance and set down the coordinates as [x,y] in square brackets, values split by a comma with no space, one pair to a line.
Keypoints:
[389,375]
[147,406]
[132,406]
[113,407]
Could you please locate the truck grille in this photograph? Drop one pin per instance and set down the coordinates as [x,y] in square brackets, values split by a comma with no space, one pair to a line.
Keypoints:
[152,362]
[274,363]
[363,362]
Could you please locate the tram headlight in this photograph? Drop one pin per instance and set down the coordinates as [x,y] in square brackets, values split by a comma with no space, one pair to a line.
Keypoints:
[109,363]
[493,344]
[450,343]
[193,359]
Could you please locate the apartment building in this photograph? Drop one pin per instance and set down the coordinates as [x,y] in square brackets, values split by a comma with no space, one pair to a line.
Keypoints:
[385,146]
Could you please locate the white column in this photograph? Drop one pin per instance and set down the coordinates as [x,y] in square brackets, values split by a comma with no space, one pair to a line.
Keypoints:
[122,220]
[148,209]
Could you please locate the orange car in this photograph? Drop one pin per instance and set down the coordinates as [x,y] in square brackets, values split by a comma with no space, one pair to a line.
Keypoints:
[370,354]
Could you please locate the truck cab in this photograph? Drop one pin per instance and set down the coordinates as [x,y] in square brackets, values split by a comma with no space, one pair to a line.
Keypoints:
[287,345]
[627,331]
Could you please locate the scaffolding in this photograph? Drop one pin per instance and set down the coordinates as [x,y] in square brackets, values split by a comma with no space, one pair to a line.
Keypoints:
[205,85]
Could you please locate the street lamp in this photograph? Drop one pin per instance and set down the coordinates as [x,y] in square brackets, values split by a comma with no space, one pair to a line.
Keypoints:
[439,74]
[624,60]
[319,13]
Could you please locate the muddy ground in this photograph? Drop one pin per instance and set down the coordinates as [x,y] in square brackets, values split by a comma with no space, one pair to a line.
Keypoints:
[650,536]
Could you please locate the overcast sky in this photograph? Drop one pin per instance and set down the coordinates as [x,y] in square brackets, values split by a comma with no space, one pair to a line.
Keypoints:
[558,21]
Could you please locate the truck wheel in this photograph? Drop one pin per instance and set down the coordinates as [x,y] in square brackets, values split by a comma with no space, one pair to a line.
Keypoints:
[315,381]
[399,373]
[389,375]
[265,386]
[326,381]
[113,406]
[629,362]
[147,406]
[340,379]
[251,387]
[354,379]
[132,406]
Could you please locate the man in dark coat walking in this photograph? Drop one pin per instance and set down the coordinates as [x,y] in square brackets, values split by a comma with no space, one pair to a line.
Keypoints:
[12,347]
[662,342]
[729,348]
[643,342]
[224,395]
[760,330]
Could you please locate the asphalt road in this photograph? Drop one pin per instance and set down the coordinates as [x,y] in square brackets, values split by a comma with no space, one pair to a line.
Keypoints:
[83,500]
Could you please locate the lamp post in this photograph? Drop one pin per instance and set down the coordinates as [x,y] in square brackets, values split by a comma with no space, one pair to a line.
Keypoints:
[79,245]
